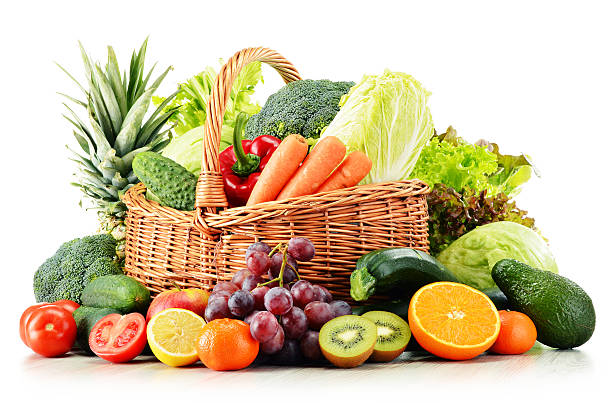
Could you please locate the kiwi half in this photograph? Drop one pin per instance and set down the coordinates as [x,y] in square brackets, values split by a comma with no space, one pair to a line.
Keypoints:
[393,335]
[348,341]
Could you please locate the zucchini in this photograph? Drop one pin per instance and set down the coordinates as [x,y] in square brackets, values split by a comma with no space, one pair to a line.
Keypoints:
[395,272]
[119,292]
[498,297]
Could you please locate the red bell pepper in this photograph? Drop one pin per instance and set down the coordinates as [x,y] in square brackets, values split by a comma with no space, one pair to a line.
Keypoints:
[242,163]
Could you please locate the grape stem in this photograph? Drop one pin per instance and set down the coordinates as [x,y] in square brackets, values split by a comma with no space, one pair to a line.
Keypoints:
[283,248]
[277,247]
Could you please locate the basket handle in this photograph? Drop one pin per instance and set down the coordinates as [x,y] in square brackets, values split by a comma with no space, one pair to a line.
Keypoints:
[209,190]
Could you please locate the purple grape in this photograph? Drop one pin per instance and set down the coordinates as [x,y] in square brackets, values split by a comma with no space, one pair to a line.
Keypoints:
[276,262]
[318,314]
[322,294]
[309,344]
[264,326]
[221,294]
[250,317]
[258,263]
[250,282]
[290,354]
[216,309]
[341,308]
[240,276]
[241,303]
[301,249]
[257,247]
[225,286]
[258,295]
[275,344]
[294,323]
[278,301]
[302,293]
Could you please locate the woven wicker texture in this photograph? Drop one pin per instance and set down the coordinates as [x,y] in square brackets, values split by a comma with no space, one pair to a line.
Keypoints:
[165,246]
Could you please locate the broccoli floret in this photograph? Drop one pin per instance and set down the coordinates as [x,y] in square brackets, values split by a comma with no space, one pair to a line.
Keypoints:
[103,266]
[304,107]
[65,274]
[93,247]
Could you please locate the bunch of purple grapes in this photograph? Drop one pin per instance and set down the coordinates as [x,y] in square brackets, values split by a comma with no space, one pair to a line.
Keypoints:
[284,312]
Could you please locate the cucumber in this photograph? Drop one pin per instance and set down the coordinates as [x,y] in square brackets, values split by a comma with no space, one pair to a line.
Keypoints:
[85,318]
[172,185]
[395,272]
[119,292]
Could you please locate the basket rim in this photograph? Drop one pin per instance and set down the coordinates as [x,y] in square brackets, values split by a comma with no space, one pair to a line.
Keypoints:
[135,199]
[317,202]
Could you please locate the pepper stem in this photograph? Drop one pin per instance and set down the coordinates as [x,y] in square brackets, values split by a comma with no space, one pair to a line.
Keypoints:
[245,164]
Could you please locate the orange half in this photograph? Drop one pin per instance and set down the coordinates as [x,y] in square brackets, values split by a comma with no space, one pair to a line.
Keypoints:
[453,321]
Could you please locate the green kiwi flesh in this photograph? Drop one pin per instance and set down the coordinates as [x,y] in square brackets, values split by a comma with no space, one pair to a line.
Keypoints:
[393,335]
[348,341]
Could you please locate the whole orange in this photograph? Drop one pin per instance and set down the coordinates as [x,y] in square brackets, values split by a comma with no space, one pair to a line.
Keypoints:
[517,334]
[226,344]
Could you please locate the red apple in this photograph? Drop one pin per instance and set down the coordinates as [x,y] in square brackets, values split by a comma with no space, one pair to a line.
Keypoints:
[192,299]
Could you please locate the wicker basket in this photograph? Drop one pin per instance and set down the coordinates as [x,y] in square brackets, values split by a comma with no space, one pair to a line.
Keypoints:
[166,246]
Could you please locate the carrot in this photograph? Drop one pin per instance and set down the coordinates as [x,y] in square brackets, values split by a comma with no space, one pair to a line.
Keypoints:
[352,170]
[321,162]
[285,160]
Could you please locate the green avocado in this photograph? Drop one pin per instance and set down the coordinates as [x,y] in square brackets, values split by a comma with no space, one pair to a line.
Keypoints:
[562,312]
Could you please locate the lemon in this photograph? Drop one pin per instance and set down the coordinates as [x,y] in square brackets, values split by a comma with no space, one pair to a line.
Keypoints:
[172,336]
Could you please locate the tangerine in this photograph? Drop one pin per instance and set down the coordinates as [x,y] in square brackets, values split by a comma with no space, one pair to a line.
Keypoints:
[517,334]
[226,344]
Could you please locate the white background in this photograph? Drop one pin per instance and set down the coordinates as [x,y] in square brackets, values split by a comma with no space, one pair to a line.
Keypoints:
[531,76]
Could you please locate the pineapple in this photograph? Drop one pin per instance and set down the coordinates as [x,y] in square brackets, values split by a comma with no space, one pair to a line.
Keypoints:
[116,131]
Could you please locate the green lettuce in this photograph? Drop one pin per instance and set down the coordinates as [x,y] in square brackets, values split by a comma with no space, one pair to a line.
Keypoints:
[191,100]
[450,160]
[386,117]
[472,257]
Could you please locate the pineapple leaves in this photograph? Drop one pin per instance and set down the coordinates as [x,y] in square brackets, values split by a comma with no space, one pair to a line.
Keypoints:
[112,70]
[117,128]
[127,137]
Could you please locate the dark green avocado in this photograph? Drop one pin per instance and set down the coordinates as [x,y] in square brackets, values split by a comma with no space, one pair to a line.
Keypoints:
[562,312]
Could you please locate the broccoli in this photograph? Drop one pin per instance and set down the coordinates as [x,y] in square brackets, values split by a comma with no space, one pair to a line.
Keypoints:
[304,107]
[65,274]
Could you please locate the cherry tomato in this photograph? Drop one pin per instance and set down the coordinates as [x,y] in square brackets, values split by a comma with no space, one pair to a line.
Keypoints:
[24,319]
[117,338]
[50,331]
[67,304]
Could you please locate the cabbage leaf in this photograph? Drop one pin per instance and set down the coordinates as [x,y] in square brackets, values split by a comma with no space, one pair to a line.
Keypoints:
[387,118]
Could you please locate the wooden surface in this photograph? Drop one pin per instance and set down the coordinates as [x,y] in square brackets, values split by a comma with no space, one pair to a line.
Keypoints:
[562,374]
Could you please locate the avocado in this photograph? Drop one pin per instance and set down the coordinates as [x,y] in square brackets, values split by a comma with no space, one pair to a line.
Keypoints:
[562,312]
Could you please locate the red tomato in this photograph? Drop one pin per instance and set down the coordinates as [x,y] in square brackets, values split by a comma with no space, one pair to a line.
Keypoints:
[50,331]
[119,338]
[24,319]
[67,304]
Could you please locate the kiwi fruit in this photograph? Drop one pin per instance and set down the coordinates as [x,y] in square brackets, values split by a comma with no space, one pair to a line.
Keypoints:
[348,341]
[393,335]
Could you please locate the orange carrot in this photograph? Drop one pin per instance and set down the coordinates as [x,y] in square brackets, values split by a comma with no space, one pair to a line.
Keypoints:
[280,167]
[352,170]
[321,162]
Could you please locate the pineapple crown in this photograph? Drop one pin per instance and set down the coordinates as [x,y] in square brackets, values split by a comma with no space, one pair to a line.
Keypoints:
[116,106]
